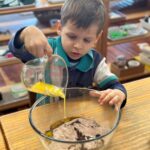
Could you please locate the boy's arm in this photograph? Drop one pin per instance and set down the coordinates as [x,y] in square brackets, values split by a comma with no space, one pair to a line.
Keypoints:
[107,80]
[30,39]
[17,48]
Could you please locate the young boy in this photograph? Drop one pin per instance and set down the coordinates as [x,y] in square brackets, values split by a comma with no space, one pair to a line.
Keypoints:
[80,26]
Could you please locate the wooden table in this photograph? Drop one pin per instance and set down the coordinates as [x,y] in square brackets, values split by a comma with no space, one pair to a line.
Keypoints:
[133,132]
[19,134]
[134,129]
[2,142]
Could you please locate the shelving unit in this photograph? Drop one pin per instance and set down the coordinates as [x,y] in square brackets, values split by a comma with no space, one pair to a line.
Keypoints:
[131,16]
[46,30]
[110,43]
[14,24]
[11,67]
[40,5]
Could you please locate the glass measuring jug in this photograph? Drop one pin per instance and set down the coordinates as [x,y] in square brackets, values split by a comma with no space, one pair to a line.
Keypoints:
[46,76]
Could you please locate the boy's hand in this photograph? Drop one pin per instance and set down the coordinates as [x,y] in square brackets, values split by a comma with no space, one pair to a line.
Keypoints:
[110,96]
[35,42]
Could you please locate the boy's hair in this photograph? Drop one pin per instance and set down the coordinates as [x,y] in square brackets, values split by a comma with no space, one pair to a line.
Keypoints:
[83,13]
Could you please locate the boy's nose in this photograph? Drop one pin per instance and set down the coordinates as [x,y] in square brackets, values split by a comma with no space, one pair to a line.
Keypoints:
[78,45]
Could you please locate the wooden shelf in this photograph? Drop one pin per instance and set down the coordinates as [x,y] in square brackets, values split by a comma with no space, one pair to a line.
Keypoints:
[9,61]
[7,80]
[23,20]
[47,31]
[40,5]
[10,74]
[9,101]
[131,16]
[146,73]
[110,43]
[5,38]
[136,14]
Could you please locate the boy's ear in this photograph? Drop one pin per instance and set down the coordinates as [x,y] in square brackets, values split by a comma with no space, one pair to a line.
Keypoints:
[58,27]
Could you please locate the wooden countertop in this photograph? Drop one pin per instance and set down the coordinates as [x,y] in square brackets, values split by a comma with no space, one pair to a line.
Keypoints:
[23,137]
[2,142]
[133,132]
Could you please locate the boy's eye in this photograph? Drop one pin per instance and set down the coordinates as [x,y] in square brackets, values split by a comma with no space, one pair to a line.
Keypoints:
[87,40]
[72,37]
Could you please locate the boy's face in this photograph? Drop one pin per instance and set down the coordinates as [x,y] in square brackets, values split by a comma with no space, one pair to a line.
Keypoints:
[77,41]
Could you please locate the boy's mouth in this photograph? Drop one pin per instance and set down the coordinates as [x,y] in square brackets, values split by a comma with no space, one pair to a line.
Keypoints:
[75,54]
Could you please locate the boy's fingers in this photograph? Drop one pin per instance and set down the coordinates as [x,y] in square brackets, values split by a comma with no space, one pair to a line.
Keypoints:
[48,50]
[115,100]
[39,52]
[95,93]
[105,93]
[107,98]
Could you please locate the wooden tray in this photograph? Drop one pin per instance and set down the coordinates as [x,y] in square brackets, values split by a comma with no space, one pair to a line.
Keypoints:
[126,71]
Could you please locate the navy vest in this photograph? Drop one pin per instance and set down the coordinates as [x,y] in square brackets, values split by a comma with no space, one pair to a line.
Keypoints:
[78,78]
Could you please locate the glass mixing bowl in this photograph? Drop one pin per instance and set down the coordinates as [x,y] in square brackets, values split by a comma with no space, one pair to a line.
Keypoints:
[47,115]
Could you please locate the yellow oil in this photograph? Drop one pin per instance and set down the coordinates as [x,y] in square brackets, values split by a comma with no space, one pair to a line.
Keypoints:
[56,124]
[49,90]
[65,107]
